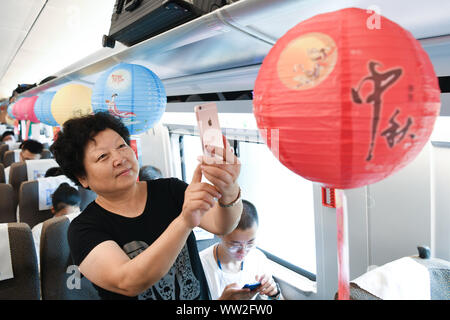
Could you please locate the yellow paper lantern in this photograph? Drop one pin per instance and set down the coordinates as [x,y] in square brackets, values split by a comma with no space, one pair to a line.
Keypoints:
[71,101]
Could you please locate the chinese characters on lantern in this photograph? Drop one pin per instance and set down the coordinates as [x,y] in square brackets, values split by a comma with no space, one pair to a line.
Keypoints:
[381,81]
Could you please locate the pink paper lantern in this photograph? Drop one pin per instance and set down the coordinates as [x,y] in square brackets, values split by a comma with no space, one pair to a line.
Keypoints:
[23,109]
[29,109]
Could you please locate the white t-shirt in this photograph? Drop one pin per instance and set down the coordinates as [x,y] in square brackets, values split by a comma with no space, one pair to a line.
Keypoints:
[37,229]
[255,263]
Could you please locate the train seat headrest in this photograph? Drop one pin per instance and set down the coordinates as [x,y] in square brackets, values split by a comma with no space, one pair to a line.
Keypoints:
[38,168]
[402,279]
[408,278]
[47,186]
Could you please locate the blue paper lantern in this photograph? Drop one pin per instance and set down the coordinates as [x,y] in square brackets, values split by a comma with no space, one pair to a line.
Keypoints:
[132,93]
[43,109]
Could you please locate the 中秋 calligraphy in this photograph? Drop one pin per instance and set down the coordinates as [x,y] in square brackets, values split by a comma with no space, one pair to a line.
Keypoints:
[381,82]
[392,132]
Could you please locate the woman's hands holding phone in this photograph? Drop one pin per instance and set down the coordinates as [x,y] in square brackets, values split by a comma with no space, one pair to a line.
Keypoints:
[222,169]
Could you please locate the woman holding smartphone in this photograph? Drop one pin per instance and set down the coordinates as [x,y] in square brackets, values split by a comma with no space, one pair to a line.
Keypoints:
[135,241]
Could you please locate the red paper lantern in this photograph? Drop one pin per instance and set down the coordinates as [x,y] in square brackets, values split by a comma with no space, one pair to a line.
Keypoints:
[18,110]
[23,109]
[351,104]
[29,109]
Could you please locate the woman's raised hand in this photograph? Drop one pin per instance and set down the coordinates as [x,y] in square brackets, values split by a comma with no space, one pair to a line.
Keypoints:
[199,197]
[222,169]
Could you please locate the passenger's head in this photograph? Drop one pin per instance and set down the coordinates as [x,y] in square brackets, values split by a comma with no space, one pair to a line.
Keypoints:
[65,199]
[239,242]
[149,173]
[31,150]
[8,136]
[54,172]
[93,151]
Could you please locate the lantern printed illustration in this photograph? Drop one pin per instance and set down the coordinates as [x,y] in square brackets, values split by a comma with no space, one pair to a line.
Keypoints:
[120,80]
[112,108]
[307,61]
[132,93]
[352,105]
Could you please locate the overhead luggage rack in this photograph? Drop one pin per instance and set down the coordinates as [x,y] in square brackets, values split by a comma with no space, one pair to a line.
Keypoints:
[133,21]
[230,43]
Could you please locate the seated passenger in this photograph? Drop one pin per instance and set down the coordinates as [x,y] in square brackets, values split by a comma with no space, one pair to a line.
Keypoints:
[54,172]
[65,201]
[149,173]
[234,262]
[8,136]
[30,150]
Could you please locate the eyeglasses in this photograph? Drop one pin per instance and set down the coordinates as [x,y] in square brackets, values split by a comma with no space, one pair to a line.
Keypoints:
[234,246]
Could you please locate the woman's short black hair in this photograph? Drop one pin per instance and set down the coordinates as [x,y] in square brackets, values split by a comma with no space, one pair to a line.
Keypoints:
[71,141]
[54,172]
[249,216]
[149,173]
[64,196]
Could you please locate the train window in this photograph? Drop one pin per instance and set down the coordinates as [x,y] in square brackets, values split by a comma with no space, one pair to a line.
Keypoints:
[192,149]
[286,231]
[285,206]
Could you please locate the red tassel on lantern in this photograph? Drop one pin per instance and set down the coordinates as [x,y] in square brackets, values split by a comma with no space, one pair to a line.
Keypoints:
[328,197]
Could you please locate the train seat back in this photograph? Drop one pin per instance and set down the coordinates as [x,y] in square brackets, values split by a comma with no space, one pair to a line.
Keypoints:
[7,208]
[10,157]
[7,147]
[24,285]
[35,200]
[2,173]
[60,278]
[26,171]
